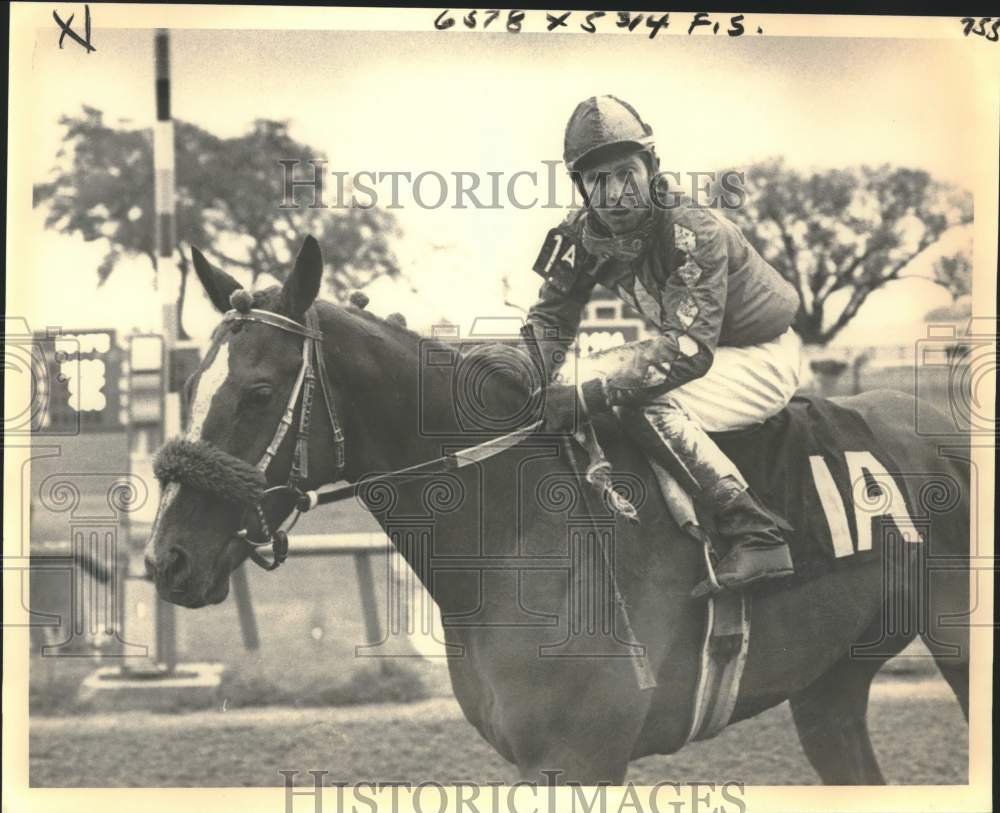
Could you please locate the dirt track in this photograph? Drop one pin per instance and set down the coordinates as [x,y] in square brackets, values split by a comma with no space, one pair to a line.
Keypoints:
[917,729]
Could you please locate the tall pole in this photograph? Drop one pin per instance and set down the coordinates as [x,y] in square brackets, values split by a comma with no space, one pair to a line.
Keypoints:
[168,278]
[149,618]
[168,282]
[178,354]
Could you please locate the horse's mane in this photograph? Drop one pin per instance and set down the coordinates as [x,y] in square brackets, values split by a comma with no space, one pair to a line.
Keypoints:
[389,324]
[386,329]
[273,299]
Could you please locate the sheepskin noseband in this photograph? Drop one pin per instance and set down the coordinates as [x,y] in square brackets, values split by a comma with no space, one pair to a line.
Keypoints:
[204,467]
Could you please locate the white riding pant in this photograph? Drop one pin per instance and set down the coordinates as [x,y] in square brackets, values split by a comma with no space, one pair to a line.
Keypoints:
[743,387]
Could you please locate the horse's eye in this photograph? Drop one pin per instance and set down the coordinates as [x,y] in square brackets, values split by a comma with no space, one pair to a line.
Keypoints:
[260,393]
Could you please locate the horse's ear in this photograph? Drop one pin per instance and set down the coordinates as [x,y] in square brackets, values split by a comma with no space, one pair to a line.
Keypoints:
[216,282]
[302,285]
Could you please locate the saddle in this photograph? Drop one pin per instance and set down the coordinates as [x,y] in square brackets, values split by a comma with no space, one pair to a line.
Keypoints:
[809,465]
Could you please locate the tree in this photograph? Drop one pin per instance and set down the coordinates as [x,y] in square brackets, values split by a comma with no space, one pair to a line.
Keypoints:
[227,202]
[954,272]
[851,230]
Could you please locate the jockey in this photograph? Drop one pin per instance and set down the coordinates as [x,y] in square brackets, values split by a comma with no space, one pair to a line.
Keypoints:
[725,357]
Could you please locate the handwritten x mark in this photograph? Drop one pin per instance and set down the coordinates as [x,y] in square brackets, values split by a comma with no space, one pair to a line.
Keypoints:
[66,30]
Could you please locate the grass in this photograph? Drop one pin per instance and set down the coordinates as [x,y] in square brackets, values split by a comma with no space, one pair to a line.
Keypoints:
[919,740]
[383,682]
[54,686]
[54,683]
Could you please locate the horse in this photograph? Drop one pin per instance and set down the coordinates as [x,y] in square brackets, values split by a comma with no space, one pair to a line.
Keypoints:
[550,694]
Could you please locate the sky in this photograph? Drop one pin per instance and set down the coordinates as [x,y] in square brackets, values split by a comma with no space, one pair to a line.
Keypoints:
[479,103]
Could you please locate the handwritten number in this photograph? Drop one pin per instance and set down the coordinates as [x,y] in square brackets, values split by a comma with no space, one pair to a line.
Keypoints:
[445,20]
[625,20]
[655,25]
[442,24]
[588,24]
[978,27]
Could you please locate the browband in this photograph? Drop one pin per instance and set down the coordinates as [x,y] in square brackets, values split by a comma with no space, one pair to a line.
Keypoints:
[273,319]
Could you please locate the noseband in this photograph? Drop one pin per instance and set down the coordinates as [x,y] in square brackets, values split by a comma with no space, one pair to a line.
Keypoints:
[291,493]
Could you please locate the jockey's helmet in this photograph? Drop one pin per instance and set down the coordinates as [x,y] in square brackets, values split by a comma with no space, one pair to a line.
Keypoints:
[603,128]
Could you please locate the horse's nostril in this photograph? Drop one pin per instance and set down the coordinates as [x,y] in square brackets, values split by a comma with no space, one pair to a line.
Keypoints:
[176,567]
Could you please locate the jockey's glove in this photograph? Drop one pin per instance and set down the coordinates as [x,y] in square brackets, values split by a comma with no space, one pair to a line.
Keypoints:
[562,410]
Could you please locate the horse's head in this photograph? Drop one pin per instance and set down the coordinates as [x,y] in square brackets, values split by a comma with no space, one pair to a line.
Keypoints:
[214,478]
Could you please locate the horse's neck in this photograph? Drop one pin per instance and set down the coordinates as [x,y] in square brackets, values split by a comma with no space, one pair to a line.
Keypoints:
[398,412]
[371,376]
[400,407]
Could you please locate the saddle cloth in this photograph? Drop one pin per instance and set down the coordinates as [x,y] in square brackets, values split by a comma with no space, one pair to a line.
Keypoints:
[816,464]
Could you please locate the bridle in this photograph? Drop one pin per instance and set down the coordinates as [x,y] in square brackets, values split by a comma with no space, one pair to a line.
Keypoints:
[312,366]
[292,497]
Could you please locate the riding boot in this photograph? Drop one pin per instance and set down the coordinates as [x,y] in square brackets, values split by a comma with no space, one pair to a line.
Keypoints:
[756,549]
